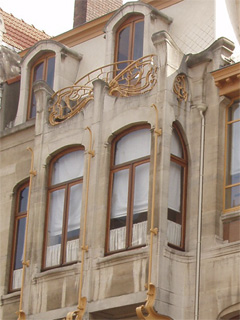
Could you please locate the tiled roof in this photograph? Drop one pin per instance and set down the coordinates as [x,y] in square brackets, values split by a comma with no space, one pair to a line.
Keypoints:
[19,34]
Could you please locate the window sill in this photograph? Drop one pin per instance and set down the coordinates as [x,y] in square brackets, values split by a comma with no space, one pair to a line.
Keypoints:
[122,257]
[56,273]
[10,298]
[229,216]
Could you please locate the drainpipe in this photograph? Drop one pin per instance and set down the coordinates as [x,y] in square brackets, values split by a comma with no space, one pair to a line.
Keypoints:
[202,108]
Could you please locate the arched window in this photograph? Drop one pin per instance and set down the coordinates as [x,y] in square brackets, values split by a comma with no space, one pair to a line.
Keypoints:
[18,237]
[129,40]
[43,69]
[177,192]
[63,208]
[232,158]
[128,190]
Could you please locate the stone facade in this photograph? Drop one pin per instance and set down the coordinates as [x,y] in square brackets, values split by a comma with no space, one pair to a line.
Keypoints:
[200,281]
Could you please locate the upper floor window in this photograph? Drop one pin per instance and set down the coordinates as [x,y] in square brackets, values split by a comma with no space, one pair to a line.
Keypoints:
[177,190]
[43,69]
[128,190]
[18,237]
[232,157]
[129,40]
[63,208]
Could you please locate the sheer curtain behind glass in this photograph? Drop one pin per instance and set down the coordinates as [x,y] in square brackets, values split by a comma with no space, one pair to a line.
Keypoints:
[65,199]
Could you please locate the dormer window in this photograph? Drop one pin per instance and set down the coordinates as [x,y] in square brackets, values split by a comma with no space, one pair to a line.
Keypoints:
[43,69]
[129,40]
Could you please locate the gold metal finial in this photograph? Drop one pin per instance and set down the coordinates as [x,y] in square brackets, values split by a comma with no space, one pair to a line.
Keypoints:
[25,263]
[82,301]
[147,311]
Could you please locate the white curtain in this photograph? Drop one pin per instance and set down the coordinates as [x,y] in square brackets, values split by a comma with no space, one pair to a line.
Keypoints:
[134,145]
[118,236]
[174,189]
[141,186]
[120,194]
[74,211]
[174,231]
[68,167]
[235,151]
[17,279]
[53,253]
[56,212]
[176,146]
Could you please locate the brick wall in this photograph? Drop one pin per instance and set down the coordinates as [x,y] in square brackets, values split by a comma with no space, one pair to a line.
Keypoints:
[97,8]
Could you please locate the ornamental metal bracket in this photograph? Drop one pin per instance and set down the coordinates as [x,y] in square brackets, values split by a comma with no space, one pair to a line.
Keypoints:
[147,311]
[82,301]
[25,263]
[179,87]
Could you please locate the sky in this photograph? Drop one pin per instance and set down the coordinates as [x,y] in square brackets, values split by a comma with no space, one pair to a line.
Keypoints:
[52,16]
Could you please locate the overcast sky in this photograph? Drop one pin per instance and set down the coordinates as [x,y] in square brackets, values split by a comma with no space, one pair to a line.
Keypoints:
[52,16]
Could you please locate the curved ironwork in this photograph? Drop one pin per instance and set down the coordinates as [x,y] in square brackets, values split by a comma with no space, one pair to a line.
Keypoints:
[138,77]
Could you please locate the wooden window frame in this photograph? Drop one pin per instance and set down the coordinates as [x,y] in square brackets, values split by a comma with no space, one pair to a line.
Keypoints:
[131,165]
[232,209]
[44,59]
[129,22]
[66,185]
[183,162]
[17,216]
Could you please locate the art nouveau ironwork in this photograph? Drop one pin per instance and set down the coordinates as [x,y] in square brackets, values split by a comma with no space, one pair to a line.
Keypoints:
[139,77]
[147,312]
[82,301]
[21,314]
[180,87]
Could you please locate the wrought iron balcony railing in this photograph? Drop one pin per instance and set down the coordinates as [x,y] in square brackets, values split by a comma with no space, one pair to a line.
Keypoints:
[138,77]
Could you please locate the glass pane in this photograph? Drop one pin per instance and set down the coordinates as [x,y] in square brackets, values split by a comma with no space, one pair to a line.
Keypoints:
[38,72]
[123,44]
[74,213]
[234,111]
[141,186]
[233,154]
[138,40]
[133,146]
[232,197]
[120,194]
[175,187]
[55,217]
[33,110]
[68,167]
[50,71]
[176,146]
[23,199]
[20,243]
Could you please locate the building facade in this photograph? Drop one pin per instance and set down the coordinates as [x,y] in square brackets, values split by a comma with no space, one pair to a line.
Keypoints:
[94,229]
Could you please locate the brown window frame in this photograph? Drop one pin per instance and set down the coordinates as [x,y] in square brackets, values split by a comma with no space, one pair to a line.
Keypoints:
[66,185]
[131,165]
[228,186]
[18,215]
[183,162]
[129,22]
[44,59]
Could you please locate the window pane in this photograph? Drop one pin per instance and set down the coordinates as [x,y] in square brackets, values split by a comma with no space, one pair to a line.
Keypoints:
[234,111]
[123,44]
[176,146]
[175,187]
[50,71]
[141,186]
[20,243]
[233,154]
[120,194]
[38,72]
[23,199]
[68,167]
[74,213]
[232,197]
[138,40]
[132,146]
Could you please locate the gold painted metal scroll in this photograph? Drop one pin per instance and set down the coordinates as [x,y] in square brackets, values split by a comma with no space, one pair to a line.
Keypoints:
[139,77]
[21,314]
[82,301]
[179,87]
[147,311]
